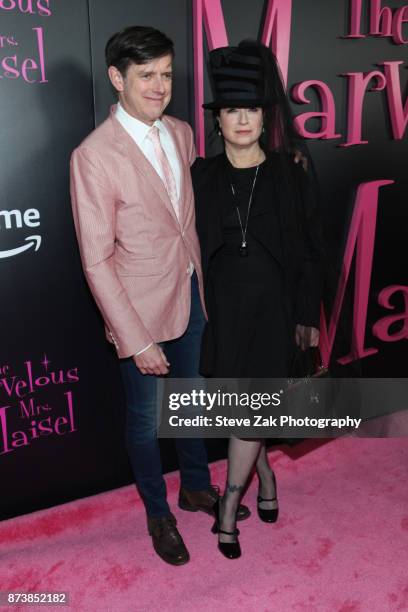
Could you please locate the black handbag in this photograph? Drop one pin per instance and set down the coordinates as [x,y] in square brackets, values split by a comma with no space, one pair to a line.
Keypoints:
[305,393]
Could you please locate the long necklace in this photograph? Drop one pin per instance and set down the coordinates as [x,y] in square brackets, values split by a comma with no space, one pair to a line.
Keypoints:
[243,249]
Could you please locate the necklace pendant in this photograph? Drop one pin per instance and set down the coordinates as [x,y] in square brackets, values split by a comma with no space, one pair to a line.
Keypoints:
[243,250]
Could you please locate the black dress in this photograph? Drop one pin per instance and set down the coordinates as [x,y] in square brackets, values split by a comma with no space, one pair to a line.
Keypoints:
[245,294]
[249,333]
[254,303]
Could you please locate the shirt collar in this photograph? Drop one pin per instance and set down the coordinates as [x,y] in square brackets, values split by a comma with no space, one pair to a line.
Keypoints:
[136,128]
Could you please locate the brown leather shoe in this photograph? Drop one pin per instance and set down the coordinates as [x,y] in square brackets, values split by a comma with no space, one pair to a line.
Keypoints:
[167,541]
[192,501]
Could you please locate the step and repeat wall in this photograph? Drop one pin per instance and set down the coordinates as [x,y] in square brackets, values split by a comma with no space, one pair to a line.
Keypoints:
[61,401]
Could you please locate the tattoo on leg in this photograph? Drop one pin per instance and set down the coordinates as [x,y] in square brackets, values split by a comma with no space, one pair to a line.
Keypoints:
[231,488]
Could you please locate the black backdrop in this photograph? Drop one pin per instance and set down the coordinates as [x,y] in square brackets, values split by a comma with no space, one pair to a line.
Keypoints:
[61,403]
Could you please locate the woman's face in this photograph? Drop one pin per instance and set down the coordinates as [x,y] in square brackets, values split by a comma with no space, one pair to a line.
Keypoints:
[241,126]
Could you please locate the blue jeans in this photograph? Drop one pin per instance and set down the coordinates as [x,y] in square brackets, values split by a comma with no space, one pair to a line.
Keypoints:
[141,419]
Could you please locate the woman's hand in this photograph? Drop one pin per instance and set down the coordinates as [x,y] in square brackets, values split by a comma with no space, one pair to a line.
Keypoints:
[306,336]
[299,157]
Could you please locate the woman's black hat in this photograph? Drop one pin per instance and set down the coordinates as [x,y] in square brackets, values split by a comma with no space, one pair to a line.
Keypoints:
[238,75]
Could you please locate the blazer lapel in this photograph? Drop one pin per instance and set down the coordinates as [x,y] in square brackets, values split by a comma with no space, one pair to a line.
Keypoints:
[141,164]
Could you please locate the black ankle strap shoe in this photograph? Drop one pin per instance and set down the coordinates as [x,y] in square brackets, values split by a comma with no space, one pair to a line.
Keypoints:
[267,516]
[230,550]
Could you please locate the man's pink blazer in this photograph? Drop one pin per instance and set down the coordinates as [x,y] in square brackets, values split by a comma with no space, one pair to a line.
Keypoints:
[135,253]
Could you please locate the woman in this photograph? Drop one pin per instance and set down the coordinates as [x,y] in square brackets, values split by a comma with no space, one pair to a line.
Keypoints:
[260,252]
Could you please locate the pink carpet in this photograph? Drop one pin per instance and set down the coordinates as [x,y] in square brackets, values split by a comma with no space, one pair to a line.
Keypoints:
[341,543]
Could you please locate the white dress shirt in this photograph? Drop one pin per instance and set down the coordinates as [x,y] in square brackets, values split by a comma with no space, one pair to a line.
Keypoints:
[139,131]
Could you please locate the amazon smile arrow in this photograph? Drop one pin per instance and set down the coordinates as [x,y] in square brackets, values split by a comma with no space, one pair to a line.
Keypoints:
[31,241]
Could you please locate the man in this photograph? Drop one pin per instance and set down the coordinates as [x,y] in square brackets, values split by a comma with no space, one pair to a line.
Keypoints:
[134,216]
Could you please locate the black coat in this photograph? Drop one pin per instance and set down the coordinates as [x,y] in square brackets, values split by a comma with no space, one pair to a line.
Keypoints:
[299,228]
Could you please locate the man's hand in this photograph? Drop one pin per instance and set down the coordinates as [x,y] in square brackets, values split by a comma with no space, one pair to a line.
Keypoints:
[152,361]
[306,336]
[301,158]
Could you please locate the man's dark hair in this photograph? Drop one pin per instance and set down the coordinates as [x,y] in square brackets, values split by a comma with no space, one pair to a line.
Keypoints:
[136,45]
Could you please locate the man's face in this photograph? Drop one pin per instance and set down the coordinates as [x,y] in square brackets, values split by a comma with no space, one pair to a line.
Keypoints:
[145,91]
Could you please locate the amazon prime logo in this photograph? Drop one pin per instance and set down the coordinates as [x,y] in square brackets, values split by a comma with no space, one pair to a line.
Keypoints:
[15,219]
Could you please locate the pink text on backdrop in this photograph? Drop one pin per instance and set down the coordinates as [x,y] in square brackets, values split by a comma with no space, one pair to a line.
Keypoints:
[361,240]
[31,70]
[8,41]
[383,21]
[358,85]
[26,413]
[277,33]
[27,7]
[39,427]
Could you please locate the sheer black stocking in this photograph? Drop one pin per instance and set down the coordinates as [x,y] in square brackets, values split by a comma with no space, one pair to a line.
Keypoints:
[242,455]
[265,477]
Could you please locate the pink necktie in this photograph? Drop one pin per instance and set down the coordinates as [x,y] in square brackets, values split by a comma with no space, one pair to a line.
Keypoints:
[169,180]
